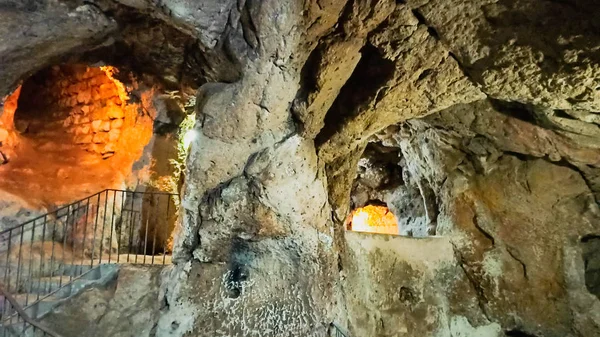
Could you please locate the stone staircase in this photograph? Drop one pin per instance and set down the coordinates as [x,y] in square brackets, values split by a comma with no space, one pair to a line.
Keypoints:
[46,293]
[55,257]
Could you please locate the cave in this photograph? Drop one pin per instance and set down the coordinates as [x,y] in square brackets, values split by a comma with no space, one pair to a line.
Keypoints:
[321,168]
[74,105]
[75,131]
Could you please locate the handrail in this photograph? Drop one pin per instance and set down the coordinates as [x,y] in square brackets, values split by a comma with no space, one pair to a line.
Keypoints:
[41,256]
[338,331]
[13,302]
[62,208]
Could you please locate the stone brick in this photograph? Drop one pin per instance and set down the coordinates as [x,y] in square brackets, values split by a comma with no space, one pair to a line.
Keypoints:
[96,94]
[95,148]
[114,112]
[84,96]
[101,137]
[82,130]
[116,123]
[96,125]
[68,122]
[105,126]
[110,147]
[83,139]
[114,135]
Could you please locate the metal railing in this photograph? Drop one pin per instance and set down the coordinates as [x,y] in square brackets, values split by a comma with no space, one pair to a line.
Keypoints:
[19,323]
[45,254]
[337,331]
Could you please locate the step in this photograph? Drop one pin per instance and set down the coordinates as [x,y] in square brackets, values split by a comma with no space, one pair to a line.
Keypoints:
[60,285]
[41,306]
[20,330]
[84,267]
[37,303]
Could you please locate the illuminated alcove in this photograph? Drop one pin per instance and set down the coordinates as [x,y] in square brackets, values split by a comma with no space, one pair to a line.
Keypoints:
[385,198]
[74,131]
[373,219]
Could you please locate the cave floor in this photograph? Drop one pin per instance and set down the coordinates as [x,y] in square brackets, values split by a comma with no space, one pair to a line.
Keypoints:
[50,170]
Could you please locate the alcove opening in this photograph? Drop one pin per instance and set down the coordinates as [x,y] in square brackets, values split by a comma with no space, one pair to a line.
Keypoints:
[73,107]
[375,217]
[385,198]
[75,130]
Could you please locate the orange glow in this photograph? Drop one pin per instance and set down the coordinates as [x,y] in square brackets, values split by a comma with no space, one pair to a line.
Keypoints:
[110,71]
[78,124]
[10,106]
[373,219]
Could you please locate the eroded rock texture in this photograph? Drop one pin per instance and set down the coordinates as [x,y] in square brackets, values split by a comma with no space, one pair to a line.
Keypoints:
[475,121]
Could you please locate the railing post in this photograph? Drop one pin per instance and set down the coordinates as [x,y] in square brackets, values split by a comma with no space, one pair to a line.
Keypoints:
[112,225]
[21,270]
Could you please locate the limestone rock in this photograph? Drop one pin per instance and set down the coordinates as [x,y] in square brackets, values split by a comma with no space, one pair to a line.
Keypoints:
[74,28]
[422,67]
[517,51]
[485,119]
[101,311]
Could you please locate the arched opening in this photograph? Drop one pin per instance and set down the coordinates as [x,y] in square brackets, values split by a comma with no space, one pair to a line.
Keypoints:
[385,197]
[75,137]
[373,218]
[74,131]
[75,107]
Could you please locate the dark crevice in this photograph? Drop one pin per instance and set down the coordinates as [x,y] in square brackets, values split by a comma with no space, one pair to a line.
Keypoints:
[521,156]
[590,237]
[513,255]
[370,75]
[339,263]
[432,31]
[591,259]
[424,74]
[419,17]
[483,231]
[563,114]
[93,4]
[517,110]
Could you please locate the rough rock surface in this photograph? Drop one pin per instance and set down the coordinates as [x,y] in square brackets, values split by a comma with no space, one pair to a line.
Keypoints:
[31,29]
[128,306]
[518,51]
[491,108]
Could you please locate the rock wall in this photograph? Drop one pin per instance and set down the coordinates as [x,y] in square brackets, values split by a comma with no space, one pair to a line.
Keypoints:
[126,306]
[84,102]
[396,286]
[502,163]
[518,224]
[8,136]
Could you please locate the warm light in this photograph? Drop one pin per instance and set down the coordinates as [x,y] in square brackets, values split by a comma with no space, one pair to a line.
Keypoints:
[374,219]
[110,71]
[189,137]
